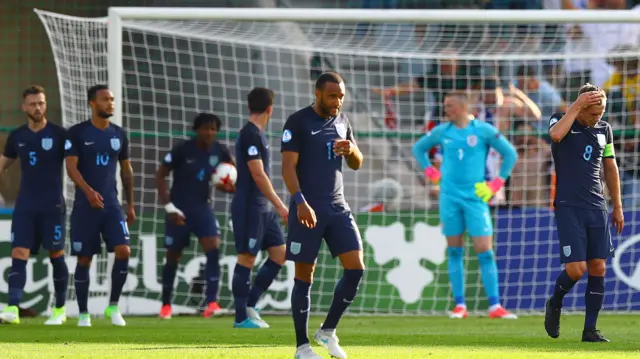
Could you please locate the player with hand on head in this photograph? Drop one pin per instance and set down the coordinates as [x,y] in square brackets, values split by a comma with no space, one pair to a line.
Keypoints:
[582,146]
[39,215]
[93,150]
[464,194]
[315,141]
[255,223]
[188,206]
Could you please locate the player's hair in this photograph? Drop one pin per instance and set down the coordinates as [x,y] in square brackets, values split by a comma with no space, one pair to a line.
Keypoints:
[590,88]
[526,71]
[33,90]
[205,119]
[463,96]
[93,91]
[260,99]
[326,77]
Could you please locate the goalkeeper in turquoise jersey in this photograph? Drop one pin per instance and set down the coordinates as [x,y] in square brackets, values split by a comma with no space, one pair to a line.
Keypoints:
[464,193]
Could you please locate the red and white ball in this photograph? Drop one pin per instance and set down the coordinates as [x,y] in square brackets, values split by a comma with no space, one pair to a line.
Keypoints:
[225,173]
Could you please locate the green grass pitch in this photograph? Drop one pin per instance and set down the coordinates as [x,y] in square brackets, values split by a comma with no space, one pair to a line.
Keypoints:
[361,337]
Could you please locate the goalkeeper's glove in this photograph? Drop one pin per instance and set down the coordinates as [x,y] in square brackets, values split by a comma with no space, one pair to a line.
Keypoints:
[485,190]
[433,174]
[170,208]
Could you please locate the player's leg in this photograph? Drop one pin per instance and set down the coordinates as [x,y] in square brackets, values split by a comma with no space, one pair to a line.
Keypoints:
[53,232]
[480,227]
[303,247]
[273,242]
[599,248]
[116,235]
[23,240]
[572,235]
[343,239]
[176,238]
[85,242]
[452,221]
[207,229]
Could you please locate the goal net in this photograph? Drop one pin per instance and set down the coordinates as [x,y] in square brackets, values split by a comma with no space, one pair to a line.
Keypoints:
[171,67]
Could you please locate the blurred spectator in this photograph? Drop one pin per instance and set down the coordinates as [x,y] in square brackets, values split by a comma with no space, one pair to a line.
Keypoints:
[541,92]
[625,79]
[594,39]
[530,179]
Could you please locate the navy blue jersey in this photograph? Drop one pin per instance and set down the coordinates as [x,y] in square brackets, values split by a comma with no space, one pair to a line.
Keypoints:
[192,169]
[98,152]
[319,169]
[578,162]
[41,156]
[251,145]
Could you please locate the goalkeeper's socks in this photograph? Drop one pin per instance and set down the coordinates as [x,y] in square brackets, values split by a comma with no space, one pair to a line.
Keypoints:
[343,296]
[17,278]
[300,306]
[119,274]
[593,298]
[455,263]
[489,271]
[264,278]
[240,289]
[564,283]
[212,274]
[60,280]
[81,281]
[168,278]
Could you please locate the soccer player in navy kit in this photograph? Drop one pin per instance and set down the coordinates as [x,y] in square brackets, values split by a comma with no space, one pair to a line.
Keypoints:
[188,206]
[39,214]
[93,150]
[315,141]
[255,223]
[582,143]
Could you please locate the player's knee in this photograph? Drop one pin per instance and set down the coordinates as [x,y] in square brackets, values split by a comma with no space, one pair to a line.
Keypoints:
[84,261]
[56,254]
[304,272]
[209,243]
[122,251]
[576,270]
[20,253]
[597,267]
[352,260]
[173,257]
[278,254]
[246,260]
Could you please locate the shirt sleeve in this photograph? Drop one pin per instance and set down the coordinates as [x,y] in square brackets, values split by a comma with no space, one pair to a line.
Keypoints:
[350,135]
[172,159]
[425,144]
[291,136]
[10,147]
[225,155]
[509,154]
[252,147]
[555,118]
[124,149]
[72,143]
[609,152]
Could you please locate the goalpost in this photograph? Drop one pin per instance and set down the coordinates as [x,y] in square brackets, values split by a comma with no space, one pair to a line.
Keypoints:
[164,65]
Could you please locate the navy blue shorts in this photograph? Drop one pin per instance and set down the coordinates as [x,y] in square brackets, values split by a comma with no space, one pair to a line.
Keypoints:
[584,234]
[91,226]
[201,224]
[256,230]
[30,229]
[335,224]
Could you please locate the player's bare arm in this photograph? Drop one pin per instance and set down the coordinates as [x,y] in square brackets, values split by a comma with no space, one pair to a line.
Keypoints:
[562,127]
[126,174]
[612,178]
[256,167]
[351,153]
[174,213]
[5,163]
[306,215]
[95,199]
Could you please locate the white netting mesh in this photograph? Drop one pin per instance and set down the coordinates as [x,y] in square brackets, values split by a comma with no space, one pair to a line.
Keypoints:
[175,69]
